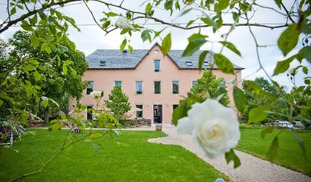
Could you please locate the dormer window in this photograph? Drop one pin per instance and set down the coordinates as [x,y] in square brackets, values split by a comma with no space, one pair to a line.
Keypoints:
[102,63]
[189,63]
[205,63]
[156,65]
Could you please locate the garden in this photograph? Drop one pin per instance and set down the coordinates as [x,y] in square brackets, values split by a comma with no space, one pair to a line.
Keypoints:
[130,157]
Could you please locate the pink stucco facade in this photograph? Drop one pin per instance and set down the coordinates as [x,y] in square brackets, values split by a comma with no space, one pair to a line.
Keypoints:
[104,80]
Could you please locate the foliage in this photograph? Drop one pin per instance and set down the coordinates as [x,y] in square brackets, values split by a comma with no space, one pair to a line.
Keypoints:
[265,98]
[209,84]
[142,161]
[49,71]
[216,15]
[289,155]
[118,102]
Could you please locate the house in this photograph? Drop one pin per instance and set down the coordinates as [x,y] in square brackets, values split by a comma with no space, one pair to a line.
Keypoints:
[153,83]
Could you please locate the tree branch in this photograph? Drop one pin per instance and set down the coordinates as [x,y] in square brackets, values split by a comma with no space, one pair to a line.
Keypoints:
[93,16]
[288,15]
[35,11]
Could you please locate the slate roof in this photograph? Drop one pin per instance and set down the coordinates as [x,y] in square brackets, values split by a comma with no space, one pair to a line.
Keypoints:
[116,59]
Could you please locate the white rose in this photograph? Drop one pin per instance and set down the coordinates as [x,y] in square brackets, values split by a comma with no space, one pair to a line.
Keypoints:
[214,127]
[122,23]
[96,94]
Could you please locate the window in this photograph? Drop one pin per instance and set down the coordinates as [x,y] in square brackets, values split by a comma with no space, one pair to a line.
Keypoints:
[194,82]
[205,63]
[102,63]
[222,83]
[139,111]
[189,63]
[156,65]
[89,88]
[175,86]
[139,87]
[116,83]
[89,115]
[157,87]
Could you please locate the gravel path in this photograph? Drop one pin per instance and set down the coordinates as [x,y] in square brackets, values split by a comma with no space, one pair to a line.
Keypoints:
[252,169]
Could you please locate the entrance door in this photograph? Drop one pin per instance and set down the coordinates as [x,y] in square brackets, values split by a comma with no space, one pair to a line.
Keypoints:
[157,114]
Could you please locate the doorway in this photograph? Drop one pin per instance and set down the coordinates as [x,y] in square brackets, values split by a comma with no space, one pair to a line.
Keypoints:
[157,114]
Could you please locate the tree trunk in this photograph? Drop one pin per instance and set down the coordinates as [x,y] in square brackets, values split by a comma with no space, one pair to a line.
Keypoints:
[46,115]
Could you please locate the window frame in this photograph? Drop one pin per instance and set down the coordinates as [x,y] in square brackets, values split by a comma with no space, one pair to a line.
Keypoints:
[116,82]
[142,110]
[178,87]
[154,87]
[154,65]
[87,88]
[142,88]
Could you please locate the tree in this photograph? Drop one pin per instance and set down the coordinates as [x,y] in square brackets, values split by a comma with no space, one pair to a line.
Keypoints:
[118,102]
[50,71]
[216,15]
[208,83]
[267,95]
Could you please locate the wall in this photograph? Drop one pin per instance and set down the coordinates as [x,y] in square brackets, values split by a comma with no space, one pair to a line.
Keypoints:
[104,81]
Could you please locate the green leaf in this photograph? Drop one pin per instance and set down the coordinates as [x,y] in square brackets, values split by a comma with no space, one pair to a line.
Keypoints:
[230,46]
[148,9]
[45,47]
[208,21]
[196,36]
[306,52]
[258,114]
[273,150]
[128,15]
[106,24]
[130,48]
[1,102]
[146,35]
[111,14]
[231,156]
[178,113]
[239,99]
[29,67]
[305,70]
[202,58]
[289,38]
[34,41]
[223,64]
[189,23]
[65,69]
[235,17]
[13,11]
[37,76]
[166,44]
[26,26]
[33,20]
[300,142]
[252,88]
[221,5]
[193,46]
[266,131]
[45,103]
[278,3]
[123,44]
[186,11]
[177,6]
[282,66]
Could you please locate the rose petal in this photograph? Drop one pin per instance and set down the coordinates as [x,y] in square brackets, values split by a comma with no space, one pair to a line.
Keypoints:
[184,126]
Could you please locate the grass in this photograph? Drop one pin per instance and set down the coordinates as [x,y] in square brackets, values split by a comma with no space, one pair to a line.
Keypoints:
[132,158]
[290,154]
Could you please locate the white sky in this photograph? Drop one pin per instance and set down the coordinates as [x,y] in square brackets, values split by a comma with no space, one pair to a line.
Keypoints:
[92,37]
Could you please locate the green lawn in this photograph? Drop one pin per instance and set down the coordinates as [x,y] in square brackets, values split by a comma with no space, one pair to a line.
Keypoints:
[290,154]
[132,159]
